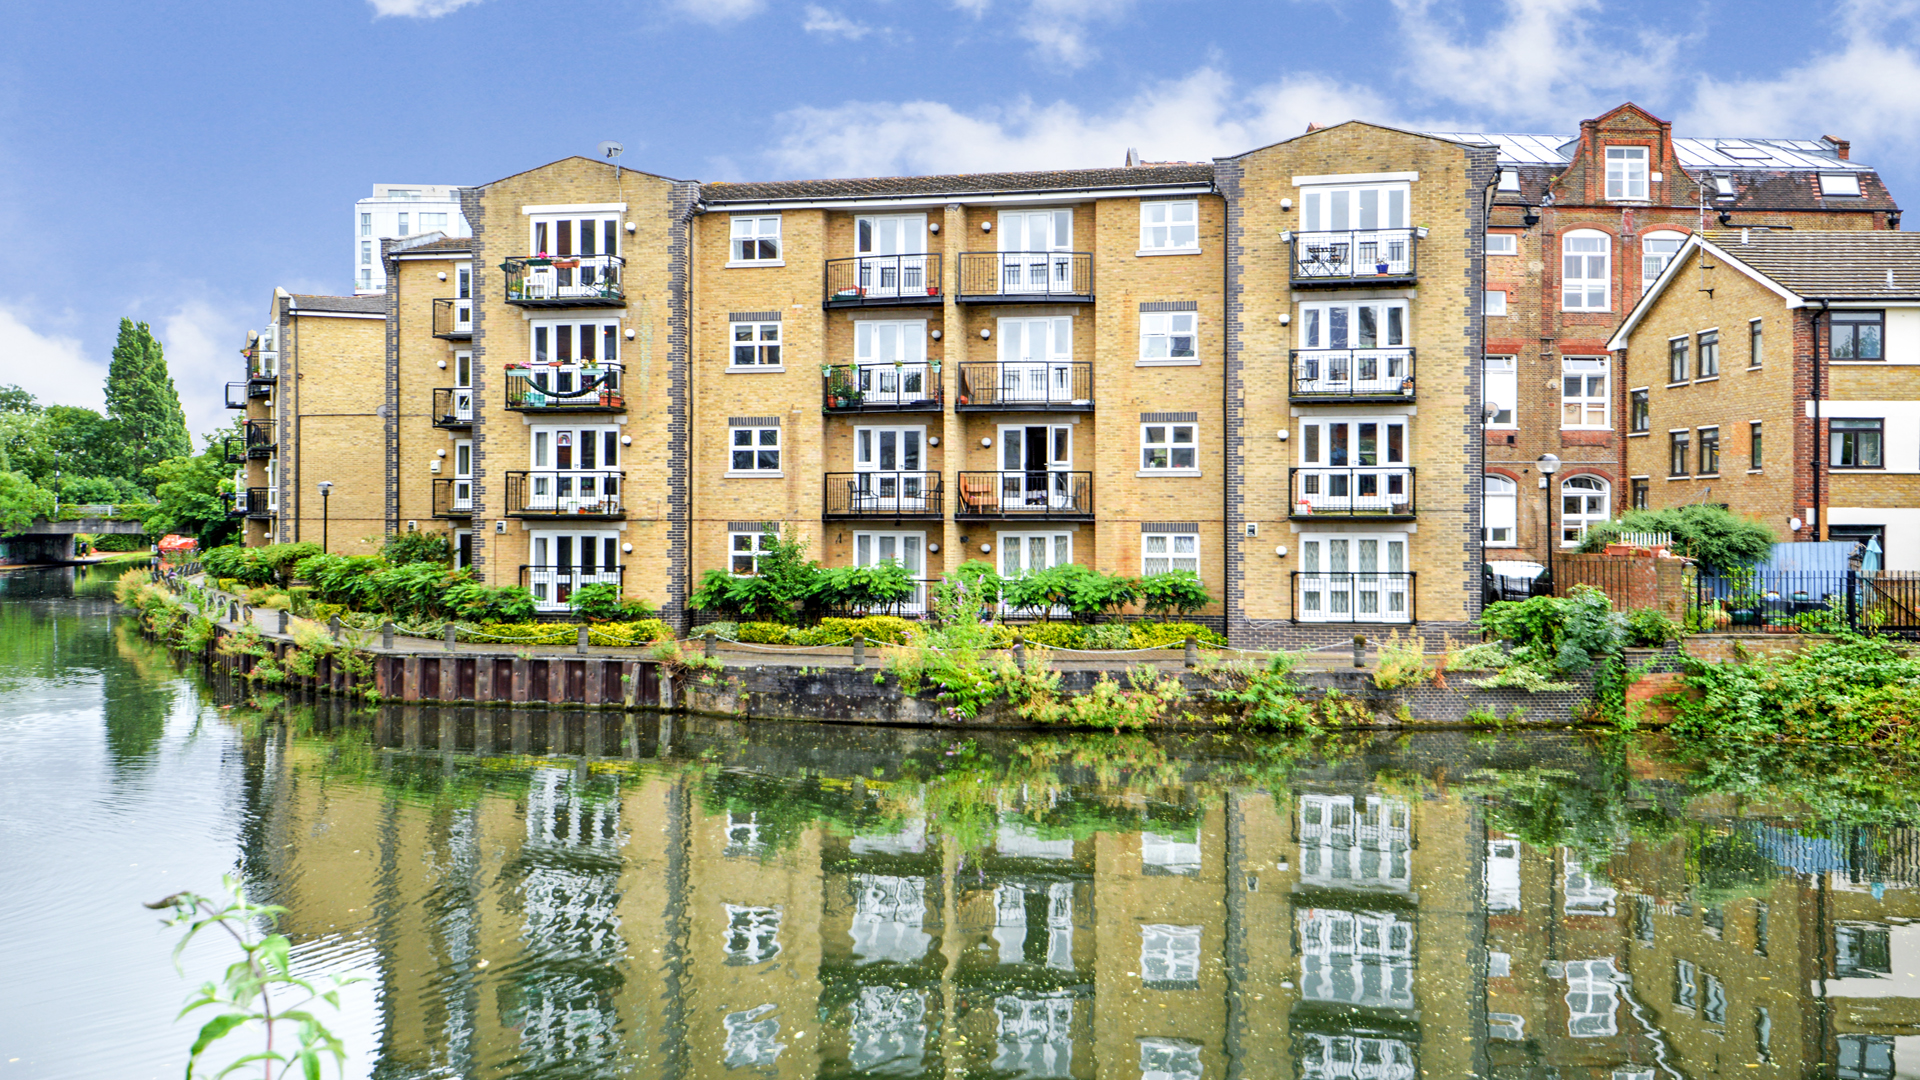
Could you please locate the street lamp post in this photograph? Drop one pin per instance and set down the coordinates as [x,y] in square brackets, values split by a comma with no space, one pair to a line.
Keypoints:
[326,492]
[1549,464]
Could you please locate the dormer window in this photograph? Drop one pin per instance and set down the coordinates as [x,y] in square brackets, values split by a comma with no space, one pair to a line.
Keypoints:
[1627,172]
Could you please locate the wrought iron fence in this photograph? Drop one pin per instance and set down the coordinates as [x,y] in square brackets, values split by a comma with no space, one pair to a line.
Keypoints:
[1040,494]
[1036,274]
[1353,255]
[882,387]
[569,387]
[1345,374]
[1359,491]
[1036,385]
[1353,596]
[873,279]
[452,318]
[884,494]
[259,438]
[1789,601]
[556,494]
[565,281]
[453,406]
[453,498]
[553,586]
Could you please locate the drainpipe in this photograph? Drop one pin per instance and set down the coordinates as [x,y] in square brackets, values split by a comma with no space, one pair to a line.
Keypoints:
[1819,511]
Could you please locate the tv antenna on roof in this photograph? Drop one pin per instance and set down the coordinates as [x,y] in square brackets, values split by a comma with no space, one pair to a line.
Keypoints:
[611,151]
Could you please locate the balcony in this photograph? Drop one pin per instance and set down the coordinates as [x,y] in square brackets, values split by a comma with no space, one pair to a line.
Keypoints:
[263,367]
[1353,597]
[453,319]
[552,586]
[453,407]
[1362,492]
[236,504]
[234,449]
[557,494]
[1343,376]
[913,607]
[858,388]
[237,394]
[1040,495]
[1040,386]
[1352,257]
[891,496]
[1014,277]
[257,503]
[565,387]
[883,281]
[453,498]
[567,281]
[259,438]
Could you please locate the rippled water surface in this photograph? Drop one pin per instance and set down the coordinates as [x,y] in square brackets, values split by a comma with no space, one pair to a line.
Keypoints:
[581,895]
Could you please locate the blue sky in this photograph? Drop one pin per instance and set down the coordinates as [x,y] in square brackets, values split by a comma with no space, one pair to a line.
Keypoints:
[174,161]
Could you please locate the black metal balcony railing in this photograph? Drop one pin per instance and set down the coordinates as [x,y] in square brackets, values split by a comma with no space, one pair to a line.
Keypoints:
[1353,374]
[552,586]
[258,504]
[453,498]
[237,395]
[453,406]
[1362,596]
[1371,255]
[263,365]
[1042,494]
[892,494]
[568,387]
[452,318]
[912,607]
[883,280]
[1007,276]
[259,438]
[557,494]
[1026,385]
[882,388]
[236,503]
[234,449]
[565,281]
[1361,491]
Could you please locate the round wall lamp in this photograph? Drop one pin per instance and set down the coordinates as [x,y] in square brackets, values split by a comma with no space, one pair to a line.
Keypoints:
[985,333]
[442,452]
[933,549]
[1281,434]
[443,365]
[933,440]
[443,275]
[986,441]
[629,226]
[934,334]
[933,226]
[986,549]
[628,548]
[986,226]
[1286,204]
[1281,551]
[1286,319]
[626,440]
[629,333]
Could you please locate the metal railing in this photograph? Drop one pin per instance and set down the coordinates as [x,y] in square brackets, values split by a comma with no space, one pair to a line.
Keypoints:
[453,406]
[1026,385]
[258,503]
[237,395]
[1353,255]
[565,281]
[1041,494]
[453,498]
[1353,596]
[562,494]
[263,365]
[234,448]
[1778,601]
[889,494]
[1361,491]
[552,586]
[882,388]
[259,438]
[236,503]
[571,387]
[1351,374]
[1020,275]
[452,318]
[883,279]
[913,607]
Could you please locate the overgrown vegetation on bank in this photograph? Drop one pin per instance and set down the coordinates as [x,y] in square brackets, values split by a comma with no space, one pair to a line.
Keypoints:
[1853,690]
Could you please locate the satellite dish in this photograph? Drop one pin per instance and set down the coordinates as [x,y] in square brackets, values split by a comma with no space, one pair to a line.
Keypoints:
[611,150]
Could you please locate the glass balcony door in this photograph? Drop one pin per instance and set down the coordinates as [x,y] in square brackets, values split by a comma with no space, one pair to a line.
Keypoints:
[463,299]
[1354,466]
[577,257]
[893,255]
[463,386]
[1036,361]
[561,561]
[572,470]
[904,548]
[1035,463]
[1353,579]
[1034,246]
[892,359]
[463,475]
[890,464]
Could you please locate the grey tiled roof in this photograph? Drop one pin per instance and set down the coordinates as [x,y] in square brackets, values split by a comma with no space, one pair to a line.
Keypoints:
[967,184]
[1835,264]
[448,244]
[345,305]
[1754,189]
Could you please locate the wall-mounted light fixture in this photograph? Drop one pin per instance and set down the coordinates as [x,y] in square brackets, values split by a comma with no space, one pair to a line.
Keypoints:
[986,226]
[629,226]
[629,333]
[933,226]
[1286,319]
[1286,204]
[985,333]
[443,275]
[986,549]
[443,365]
[442,452]
[628,548]
[934,334]
[1281,551]
[933,440]
[1281,434]
[626,440]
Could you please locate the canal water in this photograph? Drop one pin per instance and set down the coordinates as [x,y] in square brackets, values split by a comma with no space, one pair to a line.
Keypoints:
[564,894]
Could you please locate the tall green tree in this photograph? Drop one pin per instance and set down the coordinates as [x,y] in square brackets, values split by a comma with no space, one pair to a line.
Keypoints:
[142,401]
[187,491]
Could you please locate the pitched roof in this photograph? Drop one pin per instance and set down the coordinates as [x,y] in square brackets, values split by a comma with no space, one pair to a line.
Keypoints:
[341,305]
[1146,175]
[1716,154]
[1753,189]
[1851,264]
[422,246]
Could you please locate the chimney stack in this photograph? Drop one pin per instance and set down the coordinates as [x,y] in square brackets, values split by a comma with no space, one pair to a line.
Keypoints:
[1841,147]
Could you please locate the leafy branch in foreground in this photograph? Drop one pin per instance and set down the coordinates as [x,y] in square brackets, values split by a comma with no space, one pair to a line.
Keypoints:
[243,998]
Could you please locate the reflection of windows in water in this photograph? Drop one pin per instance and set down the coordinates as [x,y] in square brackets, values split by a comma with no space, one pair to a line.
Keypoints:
[1169,956]
[743,834]
[1760,929]
[1060,925]
[1503,875]
[1862,951]
[1592,998]
[562,1014]
[1357,957]
[1643,919]
[887,1035]
[910,840]
[1011,919]
[1763,1033]
[753,934]
[1169,1059]
[1508,1026]
[1713,919]
[1353,1057]
[1864,1057]
[566,1021]
[1713,1000]
[1631,1073]
[1585,893]
[1350,840]
[1499,965]
[1161,854]
[1020,840]
[888,913]
[1686,992]
[751,1038]
[1035,1036]
[1010,922]
[558,814]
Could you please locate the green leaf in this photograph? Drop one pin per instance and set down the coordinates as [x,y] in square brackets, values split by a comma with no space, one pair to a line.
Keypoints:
[215,1029]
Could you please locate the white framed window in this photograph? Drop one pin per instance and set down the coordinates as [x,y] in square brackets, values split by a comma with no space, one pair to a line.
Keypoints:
[1362,207]
[1163,552]
[1509,180]
[1583,504]
[403,231]
[888,915]
[1348,840]
[1686,984]
[366,279]
[585,237]
[1627,173]
[1583,392]
[755,451]
[1168,337]
[1356,957]
[1164,854]
[1593,999]
[1364,325]
[432,221]
[1354,578]
[1169,226]
[366,253]
[1500,514]
[562,560]
[1840,185]
[1025,552]
[1169,448]
[755,240]
[1496,303]
[366,224]
[1657,249]
[1509,1027]
[744,550]
[1169,954]
[1502,875]
[1586,271]
[1351,466]
[1169,1059]
[1503,243]
[1503,390]
[753,1038]
[572,344]
[756,345]
[904,549]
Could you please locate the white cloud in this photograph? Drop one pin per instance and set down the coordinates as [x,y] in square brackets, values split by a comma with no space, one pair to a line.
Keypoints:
[833,24]
[1192,119]
[1058,28]
[51,366]
[417,9]
[719,11]
[202,344]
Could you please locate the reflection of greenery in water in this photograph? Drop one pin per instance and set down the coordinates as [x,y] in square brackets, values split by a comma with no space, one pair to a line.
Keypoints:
[138,679]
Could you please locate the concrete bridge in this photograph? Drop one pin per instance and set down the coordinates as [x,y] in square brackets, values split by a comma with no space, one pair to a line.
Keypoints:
[47,541]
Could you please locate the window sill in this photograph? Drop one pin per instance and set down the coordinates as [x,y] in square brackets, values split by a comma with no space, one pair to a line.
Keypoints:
[1707,378]
[1146,252]
[1859,363]
[1167,363]
[1756,367]
[1148,473]
[1755,472]
[752,263]
[1638,434]
[1584,427]
[1706,476]
[1678,385]
[1682,476]
[757,370]
[754,474]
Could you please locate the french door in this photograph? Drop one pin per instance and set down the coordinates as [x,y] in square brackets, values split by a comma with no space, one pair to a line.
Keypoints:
[574,470]
[907,549]
[890,462]
[560,561]
[463,297]
[463,386]
[1353,467]
[1036,361]
[463,475]
[892,361]
[462,548]
[1034,246]
[893,255]
[1030,552]
[1036,463]
[1353,579]
[578,258]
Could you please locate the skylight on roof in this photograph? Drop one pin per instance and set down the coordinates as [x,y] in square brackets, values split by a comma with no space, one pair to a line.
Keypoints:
[1723,187]
[1745,153]
[1839,184]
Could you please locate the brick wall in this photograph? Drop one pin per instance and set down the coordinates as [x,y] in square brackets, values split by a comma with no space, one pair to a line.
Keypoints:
[1633,583]
[333,409]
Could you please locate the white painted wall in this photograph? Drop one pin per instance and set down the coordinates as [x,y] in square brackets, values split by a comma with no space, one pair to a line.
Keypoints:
[386,210]
[1903,531]
[1901,451]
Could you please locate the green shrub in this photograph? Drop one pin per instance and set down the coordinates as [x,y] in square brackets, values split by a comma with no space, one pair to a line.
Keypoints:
[522,633]
[725,631]
[1718,539]
[1172,635]
[635,632]
[470,601]
[1176,591]
[417,547]
[1650,628]
[1107,636]
[601,602]
[1054,635]
[763,633]
[877,629]
[324,612]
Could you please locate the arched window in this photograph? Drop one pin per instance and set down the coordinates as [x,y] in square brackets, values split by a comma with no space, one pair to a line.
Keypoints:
[1657,249]
[1583,504]
[1586,264]
[1500,511]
